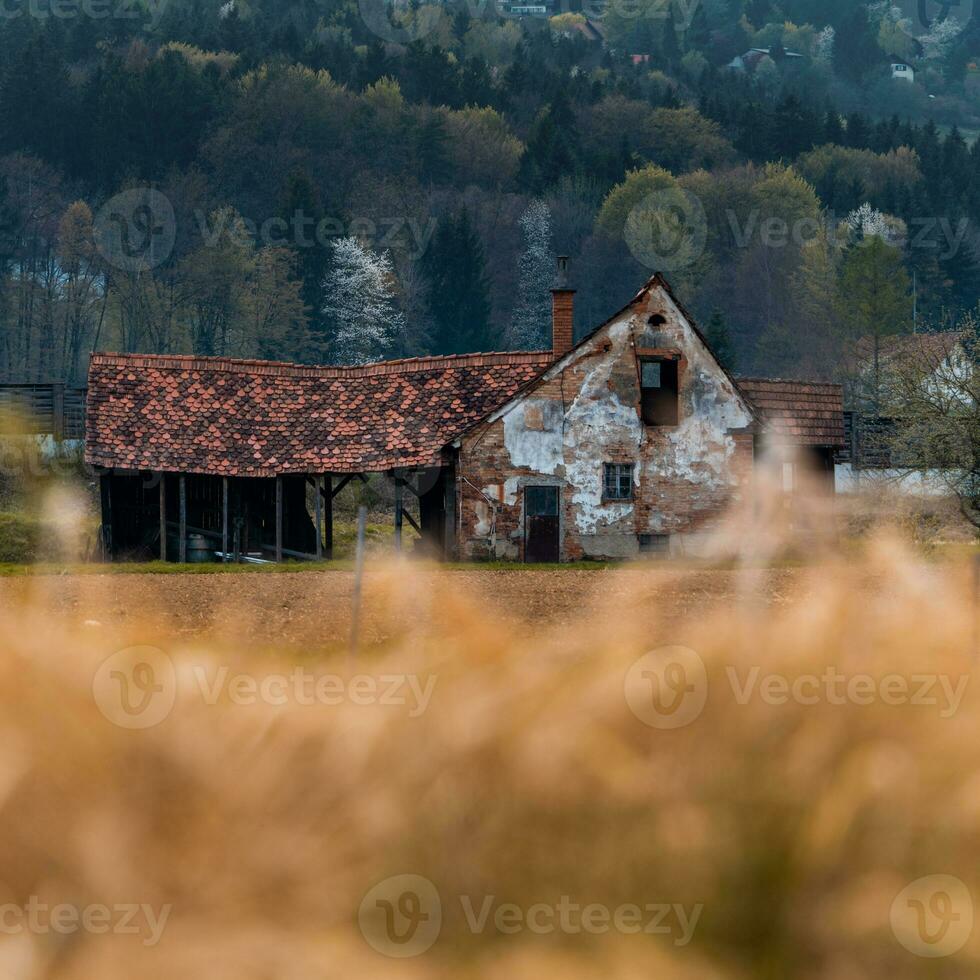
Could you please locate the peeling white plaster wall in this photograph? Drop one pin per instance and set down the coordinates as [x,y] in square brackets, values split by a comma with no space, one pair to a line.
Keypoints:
[535,448]
[598,419]
[599,422]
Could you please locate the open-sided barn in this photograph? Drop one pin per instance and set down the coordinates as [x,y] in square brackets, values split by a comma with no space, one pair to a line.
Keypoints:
[634,439]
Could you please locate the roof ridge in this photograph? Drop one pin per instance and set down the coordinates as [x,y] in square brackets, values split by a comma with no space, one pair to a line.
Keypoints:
[234,365]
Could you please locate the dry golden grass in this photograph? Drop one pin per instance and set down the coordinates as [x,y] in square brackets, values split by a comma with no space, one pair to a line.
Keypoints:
[793,826]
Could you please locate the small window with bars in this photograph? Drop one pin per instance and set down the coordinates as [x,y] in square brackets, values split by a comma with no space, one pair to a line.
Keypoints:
[655,545]
[617,482]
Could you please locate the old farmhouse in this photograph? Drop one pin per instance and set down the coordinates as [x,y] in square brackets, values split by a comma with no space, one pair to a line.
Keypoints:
[632,440]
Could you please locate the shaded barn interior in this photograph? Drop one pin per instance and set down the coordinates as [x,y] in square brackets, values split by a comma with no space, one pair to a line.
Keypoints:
[197,517]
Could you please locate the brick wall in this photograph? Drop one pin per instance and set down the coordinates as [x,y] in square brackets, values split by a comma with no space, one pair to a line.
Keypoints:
[562,320]
[587,414]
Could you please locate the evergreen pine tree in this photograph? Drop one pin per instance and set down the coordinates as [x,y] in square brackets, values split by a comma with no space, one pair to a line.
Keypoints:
[301,209]
[719,340]
[670,47]
[833,131]
[697,37]
[875,293]
[459,293]
[551,150]
[858,134]
[792,130]
[960,272]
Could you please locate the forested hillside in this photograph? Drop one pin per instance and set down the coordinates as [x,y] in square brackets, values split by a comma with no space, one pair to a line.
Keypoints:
[333,180]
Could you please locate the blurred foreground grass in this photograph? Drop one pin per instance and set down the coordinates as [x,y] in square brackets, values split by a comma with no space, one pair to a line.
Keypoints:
[762,822]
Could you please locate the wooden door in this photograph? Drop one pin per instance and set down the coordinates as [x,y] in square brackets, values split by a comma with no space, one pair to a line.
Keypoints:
[541,524]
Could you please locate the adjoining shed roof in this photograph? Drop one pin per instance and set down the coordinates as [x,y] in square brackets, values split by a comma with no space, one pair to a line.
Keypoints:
[804,413]
[258,418]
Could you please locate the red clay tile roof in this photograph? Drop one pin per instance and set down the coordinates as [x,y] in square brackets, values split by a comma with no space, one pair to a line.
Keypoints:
[803,413]
[258,418]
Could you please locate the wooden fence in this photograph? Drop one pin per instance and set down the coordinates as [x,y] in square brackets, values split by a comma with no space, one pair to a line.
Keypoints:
[46,409]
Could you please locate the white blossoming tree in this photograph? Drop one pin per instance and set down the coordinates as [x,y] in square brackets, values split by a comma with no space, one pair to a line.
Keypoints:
[532,315]
[823,49]
[868,222]
[359,300]
[939,40]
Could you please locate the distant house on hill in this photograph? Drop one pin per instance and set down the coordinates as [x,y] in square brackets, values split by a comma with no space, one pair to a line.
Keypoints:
[875,452]
[903,72]
[527,8]
[631,441]
[749,61]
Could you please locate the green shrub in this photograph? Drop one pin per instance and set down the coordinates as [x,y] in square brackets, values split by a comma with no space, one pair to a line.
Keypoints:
[21,540]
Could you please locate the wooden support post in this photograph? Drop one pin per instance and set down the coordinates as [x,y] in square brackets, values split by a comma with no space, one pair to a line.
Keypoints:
[318,498]
[328,500]
[183,519]
[163,517]
[399,512]
[278,518]
[355,619]
[105,494]
[449,498]
[224,519]
[58,411]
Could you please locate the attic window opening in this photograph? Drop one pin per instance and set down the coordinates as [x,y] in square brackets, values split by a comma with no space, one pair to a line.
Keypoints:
[657,320]
[617,481]
[659,391]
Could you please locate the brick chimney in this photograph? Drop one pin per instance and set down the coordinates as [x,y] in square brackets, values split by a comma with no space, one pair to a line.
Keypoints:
[562,311]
